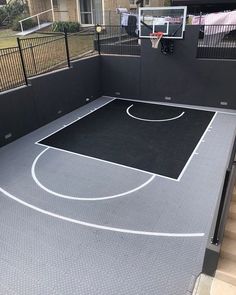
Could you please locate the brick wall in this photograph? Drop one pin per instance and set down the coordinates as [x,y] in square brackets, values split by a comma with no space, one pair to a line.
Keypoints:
[69,11]
[156,3]
[37,6]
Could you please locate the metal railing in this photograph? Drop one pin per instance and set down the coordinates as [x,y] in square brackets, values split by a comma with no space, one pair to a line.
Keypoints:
[37,16]
[11,69]
[81,44]
[225,199]
[38,55]
[217,42]
[118,40]
[44,54]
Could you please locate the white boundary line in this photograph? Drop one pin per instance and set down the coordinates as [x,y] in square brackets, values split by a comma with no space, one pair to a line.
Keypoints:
[197,146]
[104,161]
[33,174]
[79,118]
[148,120]
[97,226]
[177,105]
[132,100]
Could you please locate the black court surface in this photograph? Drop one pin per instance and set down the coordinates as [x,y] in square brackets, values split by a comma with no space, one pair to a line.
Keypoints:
[153,138]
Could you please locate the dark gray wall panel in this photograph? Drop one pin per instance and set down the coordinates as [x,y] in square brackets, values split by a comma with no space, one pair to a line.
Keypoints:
[181,76]
[63,91]
[49,97]
[121,74]
[17,114]
[185,78]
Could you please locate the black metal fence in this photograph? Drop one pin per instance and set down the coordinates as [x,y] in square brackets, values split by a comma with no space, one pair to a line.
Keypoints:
[118,40]
[217,42]
[43,54]
[81,44]
[39,55]
[11,69]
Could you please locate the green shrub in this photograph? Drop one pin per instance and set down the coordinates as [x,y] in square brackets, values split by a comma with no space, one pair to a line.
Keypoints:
[14,9]
[3,14]
[27,24]
[70,27]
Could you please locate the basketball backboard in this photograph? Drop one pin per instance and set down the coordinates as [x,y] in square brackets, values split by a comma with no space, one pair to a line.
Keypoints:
[169,20]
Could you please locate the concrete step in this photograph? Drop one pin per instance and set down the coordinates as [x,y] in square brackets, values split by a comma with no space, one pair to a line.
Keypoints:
[232,210]
[226,271]
[228,249]
[230,229]
[219,287]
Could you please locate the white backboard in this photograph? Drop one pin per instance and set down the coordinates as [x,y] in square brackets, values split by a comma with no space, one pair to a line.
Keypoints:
[169,20]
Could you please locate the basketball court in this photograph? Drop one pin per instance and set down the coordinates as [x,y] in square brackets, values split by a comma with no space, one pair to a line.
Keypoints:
[103,223]
[116,197]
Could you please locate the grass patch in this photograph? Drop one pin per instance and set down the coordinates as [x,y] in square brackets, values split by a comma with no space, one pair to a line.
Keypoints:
[8,38]
[40,55]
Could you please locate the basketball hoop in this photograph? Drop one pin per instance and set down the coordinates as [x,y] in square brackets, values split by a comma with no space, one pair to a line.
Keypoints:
[156,38]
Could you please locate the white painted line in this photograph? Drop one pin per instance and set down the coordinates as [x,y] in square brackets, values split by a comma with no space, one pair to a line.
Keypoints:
[79,118]
[148,120]
[177,105]
[33,174]
[197,146]
[97,226]
[105,161]
[128,167]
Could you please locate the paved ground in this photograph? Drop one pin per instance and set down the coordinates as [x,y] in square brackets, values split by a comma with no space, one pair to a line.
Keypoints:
[73,225]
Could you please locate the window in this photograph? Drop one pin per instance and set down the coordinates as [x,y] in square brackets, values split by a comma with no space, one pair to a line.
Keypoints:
[91,12]
[132,2]
[147,2]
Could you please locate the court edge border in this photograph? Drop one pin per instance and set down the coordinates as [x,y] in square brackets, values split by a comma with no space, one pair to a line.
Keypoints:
[120,165]
[176,105]
[97,226]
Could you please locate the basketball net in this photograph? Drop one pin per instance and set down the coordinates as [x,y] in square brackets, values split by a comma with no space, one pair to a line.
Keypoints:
[156,38]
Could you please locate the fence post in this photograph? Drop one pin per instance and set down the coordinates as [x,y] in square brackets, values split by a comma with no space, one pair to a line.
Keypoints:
[33,58]
[98,29]
[67,48]
[22,61]
[215,238]
[99,47]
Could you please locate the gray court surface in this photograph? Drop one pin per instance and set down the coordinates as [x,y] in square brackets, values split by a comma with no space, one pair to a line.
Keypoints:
[74,225]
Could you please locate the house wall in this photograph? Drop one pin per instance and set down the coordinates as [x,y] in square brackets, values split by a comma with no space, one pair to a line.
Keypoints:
[38,6]
[156,3]
[67,12]
[113,4]
[111,18]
